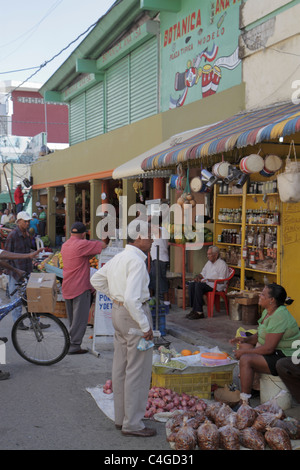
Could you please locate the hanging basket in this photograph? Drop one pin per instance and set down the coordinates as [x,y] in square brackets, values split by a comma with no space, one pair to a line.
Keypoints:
[289,181]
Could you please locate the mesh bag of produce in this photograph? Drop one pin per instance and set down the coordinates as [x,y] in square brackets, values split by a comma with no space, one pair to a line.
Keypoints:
[252,439]
[196,420]
[278,439]
[229,437]
[185,438]
[212,410]
[290,425]
[271,406]
[245,416]
[265,420]
[222,416]
[208,436]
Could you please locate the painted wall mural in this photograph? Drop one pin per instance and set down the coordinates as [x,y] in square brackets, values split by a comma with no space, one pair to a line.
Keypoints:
[199,51]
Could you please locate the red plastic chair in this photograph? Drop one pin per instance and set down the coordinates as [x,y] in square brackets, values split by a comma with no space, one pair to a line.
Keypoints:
[213,297]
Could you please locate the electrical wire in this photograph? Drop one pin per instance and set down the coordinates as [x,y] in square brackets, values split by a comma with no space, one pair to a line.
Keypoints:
[20,70]
[34,27]
[56,55]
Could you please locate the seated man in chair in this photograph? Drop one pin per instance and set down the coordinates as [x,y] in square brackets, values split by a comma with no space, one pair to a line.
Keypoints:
[215,268]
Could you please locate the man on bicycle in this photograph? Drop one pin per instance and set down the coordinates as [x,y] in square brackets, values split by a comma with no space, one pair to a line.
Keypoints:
[7,255]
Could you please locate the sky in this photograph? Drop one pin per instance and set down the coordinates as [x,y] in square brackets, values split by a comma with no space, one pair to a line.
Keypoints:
[34,31]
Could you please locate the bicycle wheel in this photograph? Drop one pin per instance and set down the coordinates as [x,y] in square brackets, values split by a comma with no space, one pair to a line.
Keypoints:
[41,346]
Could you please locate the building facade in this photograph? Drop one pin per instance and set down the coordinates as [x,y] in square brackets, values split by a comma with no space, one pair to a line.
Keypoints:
[152,70]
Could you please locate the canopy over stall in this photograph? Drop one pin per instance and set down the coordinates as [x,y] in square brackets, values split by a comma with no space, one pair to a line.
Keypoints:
[132,168]
[241,130]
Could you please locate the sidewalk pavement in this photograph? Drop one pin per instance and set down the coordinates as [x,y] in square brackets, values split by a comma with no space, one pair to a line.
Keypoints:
[210,332]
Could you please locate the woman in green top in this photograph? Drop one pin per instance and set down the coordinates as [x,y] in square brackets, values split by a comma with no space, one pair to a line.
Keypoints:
[276,333]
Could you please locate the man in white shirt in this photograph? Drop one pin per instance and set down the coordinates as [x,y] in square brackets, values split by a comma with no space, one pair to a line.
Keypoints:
[5,217]
[215,268]
[125,280]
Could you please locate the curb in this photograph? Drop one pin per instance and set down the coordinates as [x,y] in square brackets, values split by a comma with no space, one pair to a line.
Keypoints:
[194,339]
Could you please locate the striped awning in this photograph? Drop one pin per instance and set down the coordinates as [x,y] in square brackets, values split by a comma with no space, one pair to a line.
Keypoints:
[241,130]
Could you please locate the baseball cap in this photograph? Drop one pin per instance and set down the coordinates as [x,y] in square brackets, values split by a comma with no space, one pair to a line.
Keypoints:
[78,227]
[23,216]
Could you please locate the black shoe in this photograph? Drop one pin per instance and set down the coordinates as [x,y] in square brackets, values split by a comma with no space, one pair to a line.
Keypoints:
[197,316]
[4,375]
[41,325]
[190,314]
[4,340]
[21,326]
[79,351]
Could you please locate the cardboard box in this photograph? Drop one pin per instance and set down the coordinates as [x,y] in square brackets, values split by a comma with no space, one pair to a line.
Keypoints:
[247,300]
[179,297]
[41,292]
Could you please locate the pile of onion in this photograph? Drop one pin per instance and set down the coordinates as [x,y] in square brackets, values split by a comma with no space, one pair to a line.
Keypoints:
[107,388]
[162,399]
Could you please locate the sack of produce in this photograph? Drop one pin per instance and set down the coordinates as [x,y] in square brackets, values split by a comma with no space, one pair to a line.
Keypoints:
[208,436]
[271,406]
[278,439]
[185,438]
[252,439]
[223,415]
[245,416]
[229,437]
[265,420]
[212,410]
[290,425]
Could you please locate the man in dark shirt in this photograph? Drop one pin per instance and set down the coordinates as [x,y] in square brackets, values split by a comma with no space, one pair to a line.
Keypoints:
[18,241]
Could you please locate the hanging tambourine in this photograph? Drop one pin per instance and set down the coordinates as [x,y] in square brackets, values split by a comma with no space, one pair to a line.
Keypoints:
[253,163]
[196,184]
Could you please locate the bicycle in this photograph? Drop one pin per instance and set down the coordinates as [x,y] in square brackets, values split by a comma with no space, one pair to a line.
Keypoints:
[36,343]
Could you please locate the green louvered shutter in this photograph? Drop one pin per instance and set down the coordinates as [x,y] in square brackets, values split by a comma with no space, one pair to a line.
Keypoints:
[77,119]
[144,81]
[94,111]
[117,95]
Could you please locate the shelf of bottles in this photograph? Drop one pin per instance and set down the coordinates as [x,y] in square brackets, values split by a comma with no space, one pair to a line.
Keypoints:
[247,226]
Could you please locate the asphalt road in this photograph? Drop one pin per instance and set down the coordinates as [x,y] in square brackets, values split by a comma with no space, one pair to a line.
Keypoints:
[49,408]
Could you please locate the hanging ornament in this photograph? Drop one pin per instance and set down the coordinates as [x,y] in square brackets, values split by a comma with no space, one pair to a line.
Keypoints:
[138,186]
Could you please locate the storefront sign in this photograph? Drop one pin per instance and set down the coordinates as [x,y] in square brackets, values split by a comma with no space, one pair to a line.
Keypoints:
[199,51]
[130,42]
[103,304]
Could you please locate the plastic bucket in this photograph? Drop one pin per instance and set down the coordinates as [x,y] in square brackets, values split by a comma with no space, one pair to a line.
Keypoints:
[270,387]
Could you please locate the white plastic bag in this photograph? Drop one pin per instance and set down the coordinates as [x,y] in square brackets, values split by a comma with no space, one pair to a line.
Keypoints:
[289,181]
[3,281]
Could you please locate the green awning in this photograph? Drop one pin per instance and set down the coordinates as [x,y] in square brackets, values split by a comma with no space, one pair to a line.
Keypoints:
[5,198]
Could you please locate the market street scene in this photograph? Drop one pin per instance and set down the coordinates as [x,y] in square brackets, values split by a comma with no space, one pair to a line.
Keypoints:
[150,228]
